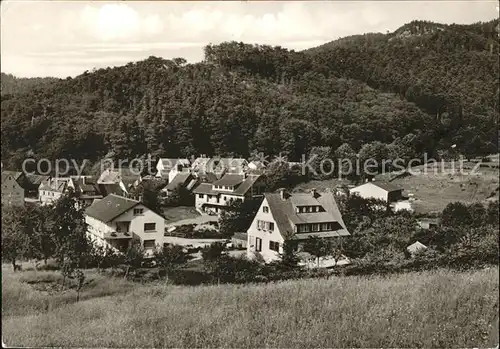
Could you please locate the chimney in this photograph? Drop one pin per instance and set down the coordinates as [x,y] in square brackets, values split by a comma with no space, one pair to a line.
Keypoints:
[83,180]
[140,198]
[313,192]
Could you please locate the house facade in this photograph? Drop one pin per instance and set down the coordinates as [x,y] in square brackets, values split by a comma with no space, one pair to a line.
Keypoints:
[12,192]
[213,197]
[185,180]
[85,188]
[298,215]
[31,184]
[52,189]
[114,221]
[169,168]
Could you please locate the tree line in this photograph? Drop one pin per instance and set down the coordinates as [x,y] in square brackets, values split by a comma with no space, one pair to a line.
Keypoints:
[439,86]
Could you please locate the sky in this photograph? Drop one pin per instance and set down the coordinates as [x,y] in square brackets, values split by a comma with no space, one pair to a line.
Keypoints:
[65,38]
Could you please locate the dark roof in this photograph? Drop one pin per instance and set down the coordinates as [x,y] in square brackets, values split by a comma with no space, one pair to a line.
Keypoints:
[86,185]
[386,186]
[15,174]
[429,220]
[179,179]
[35,179]
[247,184]
[323,234]
[205,188]
[54,184]
[110,207]
[230,180]
[285,216]
[107,189]
[8,176]
[208,177]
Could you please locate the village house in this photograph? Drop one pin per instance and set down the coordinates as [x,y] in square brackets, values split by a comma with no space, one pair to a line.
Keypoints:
[31,183]
[428,223]
[256,166]
[182,180]
[114,221]
[213,197]
[199,165]
[85,189]
[298,215]
[169,168]
[52,189]
[119,182]
[384,191]
[12,191]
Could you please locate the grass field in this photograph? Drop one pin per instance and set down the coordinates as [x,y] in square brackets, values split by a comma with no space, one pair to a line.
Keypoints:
[429,309]
[173,214]
[434,189]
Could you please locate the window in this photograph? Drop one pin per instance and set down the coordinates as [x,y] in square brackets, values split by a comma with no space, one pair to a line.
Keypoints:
[315,227]
[200,196]
[303,228]
[265,225]
[148,244]
[149,226]
[274,246]
[265,209]
[308,209]
[225,198]
[324,226]
[258,244]
[138,211]
[209,196]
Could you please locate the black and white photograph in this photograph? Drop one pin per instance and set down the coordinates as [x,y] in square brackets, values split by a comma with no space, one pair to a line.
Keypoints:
[250,174]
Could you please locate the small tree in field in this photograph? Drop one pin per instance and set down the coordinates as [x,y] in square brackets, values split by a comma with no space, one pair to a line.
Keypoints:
[318,247]
[289,258]
[212,254]
[15,243]
[69,231]
[169,258]
[134,256]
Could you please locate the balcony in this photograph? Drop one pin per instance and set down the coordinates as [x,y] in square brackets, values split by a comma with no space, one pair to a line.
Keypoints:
[114,235]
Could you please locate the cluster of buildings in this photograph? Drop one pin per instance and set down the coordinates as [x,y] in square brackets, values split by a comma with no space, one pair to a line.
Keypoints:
[115,216]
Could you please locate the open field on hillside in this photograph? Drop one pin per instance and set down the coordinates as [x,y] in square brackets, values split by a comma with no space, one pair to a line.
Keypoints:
[434,188]
[428,309]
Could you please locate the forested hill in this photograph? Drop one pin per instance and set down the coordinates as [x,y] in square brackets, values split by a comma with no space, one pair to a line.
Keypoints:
[10,84]
[450,71]
[246,98]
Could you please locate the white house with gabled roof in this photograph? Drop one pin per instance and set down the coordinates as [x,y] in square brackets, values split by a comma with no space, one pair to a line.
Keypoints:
[115,220]
[300,215]
[213,197]
[169,167]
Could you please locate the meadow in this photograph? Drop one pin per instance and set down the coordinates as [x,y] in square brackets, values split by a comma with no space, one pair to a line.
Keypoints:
[426,309]
[434,188]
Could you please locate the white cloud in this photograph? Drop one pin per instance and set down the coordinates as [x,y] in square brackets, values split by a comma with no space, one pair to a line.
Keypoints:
[81,34]
[118,22]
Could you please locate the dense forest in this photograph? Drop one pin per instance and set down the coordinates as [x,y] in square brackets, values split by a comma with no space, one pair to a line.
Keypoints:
[434,85]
